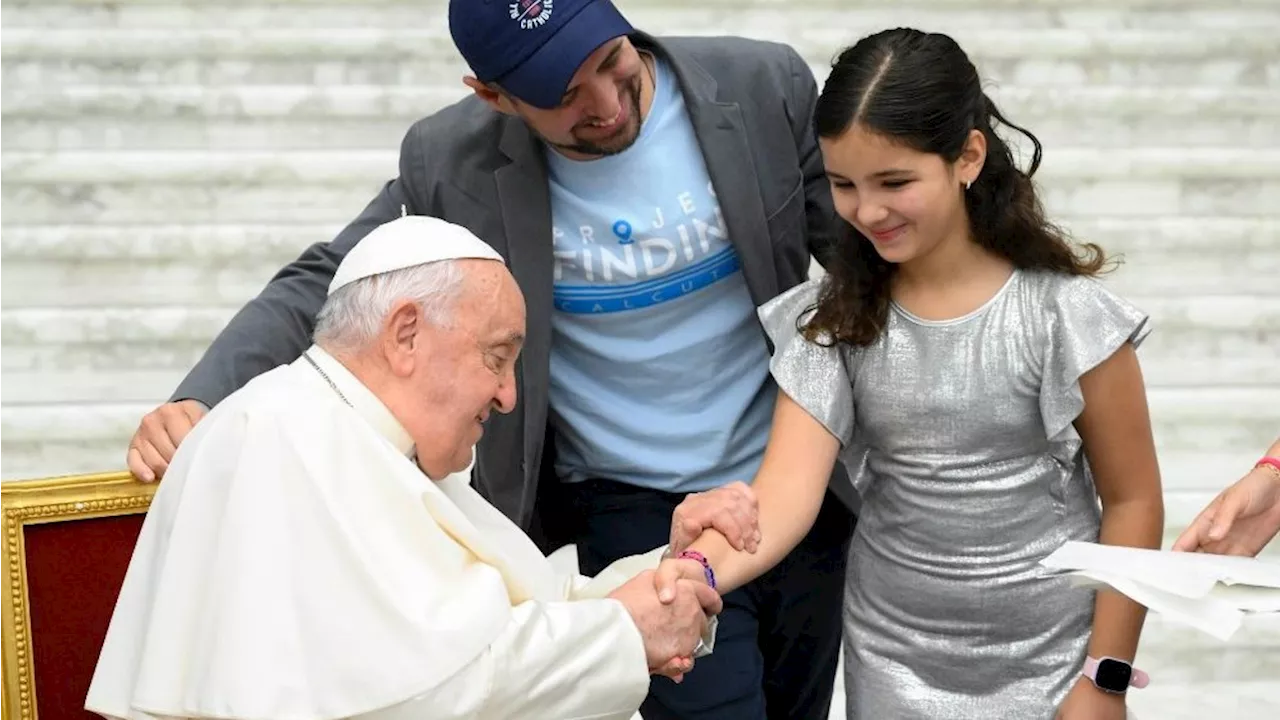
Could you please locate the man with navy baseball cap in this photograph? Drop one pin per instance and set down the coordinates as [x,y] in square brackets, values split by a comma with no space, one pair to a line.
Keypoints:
[648,194]
[534,49]
[531,62]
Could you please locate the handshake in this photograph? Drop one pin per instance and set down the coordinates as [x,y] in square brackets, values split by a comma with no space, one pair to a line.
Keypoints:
[671,626]
[673,605]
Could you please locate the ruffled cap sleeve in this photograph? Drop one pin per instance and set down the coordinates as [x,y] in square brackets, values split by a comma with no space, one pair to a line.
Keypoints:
[1087,324]
[814,376]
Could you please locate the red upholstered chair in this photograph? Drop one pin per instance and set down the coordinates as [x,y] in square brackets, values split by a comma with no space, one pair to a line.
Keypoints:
[67,545]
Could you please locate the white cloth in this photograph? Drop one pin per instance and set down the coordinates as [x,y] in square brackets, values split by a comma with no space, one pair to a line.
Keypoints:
[296,565]
[406,242]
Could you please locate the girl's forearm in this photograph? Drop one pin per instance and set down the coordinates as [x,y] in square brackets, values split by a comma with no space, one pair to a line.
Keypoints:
[789,487]
[787,512]
[1117,620]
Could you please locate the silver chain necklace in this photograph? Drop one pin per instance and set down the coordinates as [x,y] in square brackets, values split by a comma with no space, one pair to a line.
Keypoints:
[327,379]
[323,374]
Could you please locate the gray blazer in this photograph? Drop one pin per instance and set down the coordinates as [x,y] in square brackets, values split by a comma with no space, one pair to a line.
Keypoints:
[751,104]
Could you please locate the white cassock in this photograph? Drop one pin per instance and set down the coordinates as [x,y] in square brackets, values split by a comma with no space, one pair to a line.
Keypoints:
[296,565]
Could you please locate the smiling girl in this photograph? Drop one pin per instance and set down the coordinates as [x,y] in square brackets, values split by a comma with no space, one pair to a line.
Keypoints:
[984,392]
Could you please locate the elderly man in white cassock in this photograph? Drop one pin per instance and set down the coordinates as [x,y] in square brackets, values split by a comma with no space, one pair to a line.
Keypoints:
[316,551]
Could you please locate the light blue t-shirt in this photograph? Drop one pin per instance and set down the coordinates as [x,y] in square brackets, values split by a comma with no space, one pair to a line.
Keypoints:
[659,369]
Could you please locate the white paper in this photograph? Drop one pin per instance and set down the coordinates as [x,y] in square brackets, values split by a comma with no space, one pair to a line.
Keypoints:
[1248,598]
[1186,574]
[1215,617]
[1208,592]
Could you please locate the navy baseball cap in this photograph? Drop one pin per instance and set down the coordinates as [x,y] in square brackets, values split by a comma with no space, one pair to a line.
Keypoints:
[532,48]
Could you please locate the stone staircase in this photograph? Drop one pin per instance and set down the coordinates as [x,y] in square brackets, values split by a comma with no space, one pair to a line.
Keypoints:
[165,157]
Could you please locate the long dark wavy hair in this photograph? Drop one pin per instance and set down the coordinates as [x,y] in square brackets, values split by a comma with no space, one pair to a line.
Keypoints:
[921,90]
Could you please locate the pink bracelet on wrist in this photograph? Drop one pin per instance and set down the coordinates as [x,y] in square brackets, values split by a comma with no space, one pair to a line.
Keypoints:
[1270,463]
[701,560]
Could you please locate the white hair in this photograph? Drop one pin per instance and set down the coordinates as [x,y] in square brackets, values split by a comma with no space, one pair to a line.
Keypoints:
[351,318]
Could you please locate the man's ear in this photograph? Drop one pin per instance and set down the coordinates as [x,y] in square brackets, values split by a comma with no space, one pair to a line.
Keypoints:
[490,95]
[401,335]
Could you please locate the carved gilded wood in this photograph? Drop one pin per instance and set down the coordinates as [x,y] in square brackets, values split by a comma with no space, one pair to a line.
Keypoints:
[49,500]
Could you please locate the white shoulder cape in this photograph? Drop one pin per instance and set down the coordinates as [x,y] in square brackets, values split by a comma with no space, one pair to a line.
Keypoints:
[289,549]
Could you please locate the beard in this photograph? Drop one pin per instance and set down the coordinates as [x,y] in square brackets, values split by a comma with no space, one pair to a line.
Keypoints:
[623,138]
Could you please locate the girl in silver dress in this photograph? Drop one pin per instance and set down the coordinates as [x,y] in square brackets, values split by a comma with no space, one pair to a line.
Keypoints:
[984,392]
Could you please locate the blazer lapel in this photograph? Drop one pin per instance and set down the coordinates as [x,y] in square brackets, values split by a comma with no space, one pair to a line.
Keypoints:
[723,138]
[525,200]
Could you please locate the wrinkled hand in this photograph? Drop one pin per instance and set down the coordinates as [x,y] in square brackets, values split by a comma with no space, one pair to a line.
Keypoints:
[1240,521]
[158,437]
[675,669]
[672,571]
[732,510]
[670,631]
[1087,702]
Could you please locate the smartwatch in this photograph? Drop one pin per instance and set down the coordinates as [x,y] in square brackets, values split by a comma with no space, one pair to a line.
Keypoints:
[1113,675]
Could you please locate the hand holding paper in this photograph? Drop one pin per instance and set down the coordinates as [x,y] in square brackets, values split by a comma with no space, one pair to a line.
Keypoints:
[1242,519]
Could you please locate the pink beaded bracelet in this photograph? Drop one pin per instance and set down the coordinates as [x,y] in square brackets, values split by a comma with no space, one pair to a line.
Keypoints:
[702,560]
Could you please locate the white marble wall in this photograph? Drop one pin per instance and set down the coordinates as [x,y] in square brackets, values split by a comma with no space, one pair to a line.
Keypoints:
[162,158]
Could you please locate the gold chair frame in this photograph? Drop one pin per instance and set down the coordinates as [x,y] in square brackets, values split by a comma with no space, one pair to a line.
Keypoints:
[40,501]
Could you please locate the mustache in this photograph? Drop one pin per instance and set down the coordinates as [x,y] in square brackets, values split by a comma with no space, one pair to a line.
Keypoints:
[632,97]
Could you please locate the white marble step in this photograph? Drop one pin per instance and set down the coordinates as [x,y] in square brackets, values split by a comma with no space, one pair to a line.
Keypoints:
[1174,654]
[1201,420]
[180,133]
[428,7]
[1196,473]
[146,266]
[1195,700]
[277,202]
[75,118]
[223,265]
[1215,419]
[410,102]
[120,354]
[431,41]
[1141,163]
[24,75]
[423,54]
[1084,14]
[261,167]
[317,186]
[1205,470]
[101,435]
[1242,241]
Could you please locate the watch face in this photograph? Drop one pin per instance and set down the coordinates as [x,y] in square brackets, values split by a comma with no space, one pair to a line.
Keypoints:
[1113,675]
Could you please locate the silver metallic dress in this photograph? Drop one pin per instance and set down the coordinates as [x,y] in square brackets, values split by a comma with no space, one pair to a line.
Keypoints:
[958,436]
